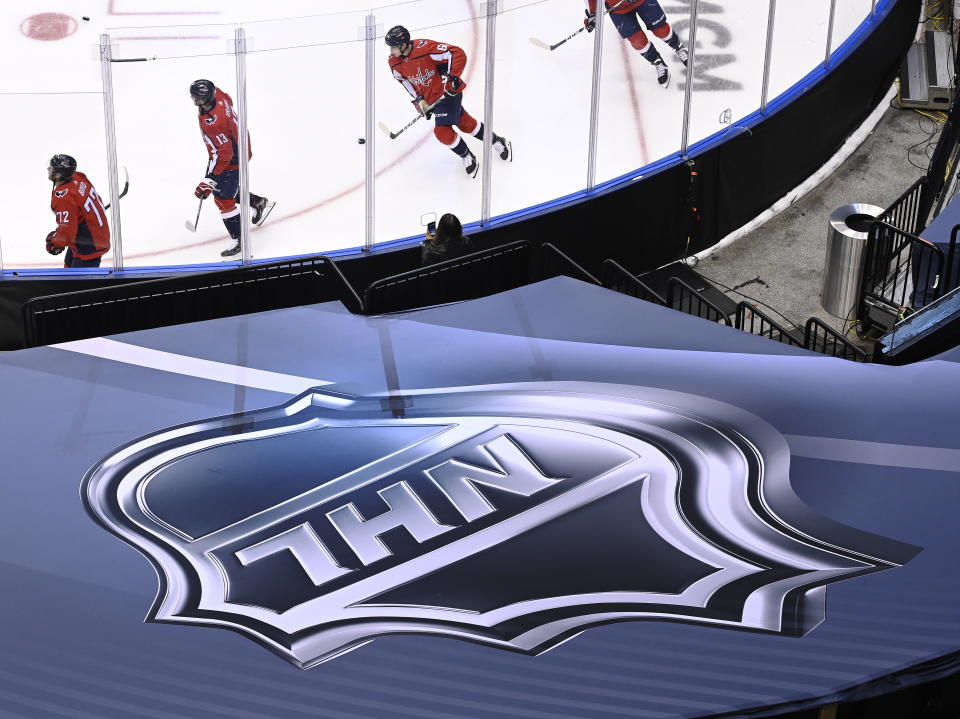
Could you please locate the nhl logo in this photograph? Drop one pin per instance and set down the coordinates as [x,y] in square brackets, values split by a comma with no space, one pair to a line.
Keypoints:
[513,516]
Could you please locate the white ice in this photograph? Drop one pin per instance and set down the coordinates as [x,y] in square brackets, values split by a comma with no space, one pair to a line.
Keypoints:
[306,91]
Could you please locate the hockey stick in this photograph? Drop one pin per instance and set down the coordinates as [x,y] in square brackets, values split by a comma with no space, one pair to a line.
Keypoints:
[193,226]
[540,43]
[395,135]
[123,192]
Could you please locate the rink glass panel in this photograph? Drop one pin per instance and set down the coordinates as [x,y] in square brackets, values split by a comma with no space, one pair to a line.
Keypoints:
[35,127]
[415,172]
[799,42]
[850,14]
[159,140]
[640,121]
[541,104]
[305,104]
[728,67]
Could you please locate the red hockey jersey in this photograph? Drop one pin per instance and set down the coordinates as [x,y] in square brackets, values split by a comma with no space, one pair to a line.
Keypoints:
[623,8]
[420,71]
[221,132]
[81,219]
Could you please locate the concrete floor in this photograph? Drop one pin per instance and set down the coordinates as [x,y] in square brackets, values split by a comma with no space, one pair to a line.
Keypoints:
[787,253]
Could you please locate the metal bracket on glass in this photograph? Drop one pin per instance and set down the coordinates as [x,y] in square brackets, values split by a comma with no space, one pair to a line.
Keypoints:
[110,132]
[595,97]
[768,55]
[368,33]
[691,71]
[240,47]
[247,47]
[833,14]
[488,10]
[363,30]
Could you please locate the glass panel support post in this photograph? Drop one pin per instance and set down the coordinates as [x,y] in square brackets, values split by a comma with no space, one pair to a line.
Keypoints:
[240,58]
[768,54]
[110,133]
[691,73]
[833,15]
[595,97]
[369,35]
[488,10]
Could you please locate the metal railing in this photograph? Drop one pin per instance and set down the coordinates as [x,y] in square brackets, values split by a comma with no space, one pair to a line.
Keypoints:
[681,296]
[186,298]
[900,271]
[555,262]
[751,319]
[615,276]
[464,278]
[909,212]
[819,337]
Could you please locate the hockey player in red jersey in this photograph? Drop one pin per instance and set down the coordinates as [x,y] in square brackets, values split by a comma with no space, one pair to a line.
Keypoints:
[82,227]
[220,129]
[431,72]
[626,16]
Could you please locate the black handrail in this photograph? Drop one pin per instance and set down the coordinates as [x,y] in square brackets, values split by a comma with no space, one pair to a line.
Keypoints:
[895,260]
[753,320]
[615,276]
[909,212]
[185,298]
[478,274]
[681,296]
[819,337]
[554,262]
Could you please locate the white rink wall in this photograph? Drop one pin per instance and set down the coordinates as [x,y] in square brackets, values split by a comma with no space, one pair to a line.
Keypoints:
[306,106]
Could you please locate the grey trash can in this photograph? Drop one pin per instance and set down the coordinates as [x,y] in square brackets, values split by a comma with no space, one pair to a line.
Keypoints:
[843,265]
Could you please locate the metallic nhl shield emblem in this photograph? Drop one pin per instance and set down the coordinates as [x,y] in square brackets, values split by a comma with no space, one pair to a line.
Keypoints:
[513,516]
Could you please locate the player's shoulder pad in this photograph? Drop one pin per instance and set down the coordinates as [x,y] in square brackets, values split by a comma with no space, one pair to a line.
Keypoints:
[422,46]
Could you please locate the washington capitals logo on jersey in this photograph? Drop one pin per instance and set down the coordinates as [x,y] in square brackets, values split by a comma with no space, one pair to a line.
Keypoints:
[511,516]
[211,120]
[60,193]
[422,78]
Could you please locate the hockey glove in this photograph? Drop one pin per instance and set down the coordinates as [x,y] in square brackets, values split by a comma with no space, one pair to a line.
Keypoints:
[590,21]
[205,188]
[421,106]
[52,248]
[451,84]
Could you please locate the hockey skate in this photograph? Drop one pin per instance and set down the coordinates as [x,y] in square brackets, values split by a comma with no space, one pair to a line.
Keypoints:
[262,208]
[682,53]
[470,164]
[232,251]
[663,73]
[503,147]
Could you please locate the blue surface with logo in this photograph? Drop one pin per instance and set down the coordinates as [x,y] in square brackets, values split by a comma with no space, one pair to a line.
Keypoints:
[692,520]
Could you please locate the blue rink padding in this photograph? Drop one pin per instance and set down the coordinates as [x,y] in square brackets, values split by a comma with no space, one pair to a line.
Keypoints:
[873,448]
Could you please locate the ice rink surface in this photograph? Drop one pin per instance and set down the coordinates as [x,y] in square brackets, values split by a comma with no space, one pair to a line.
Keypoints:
[306,94]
